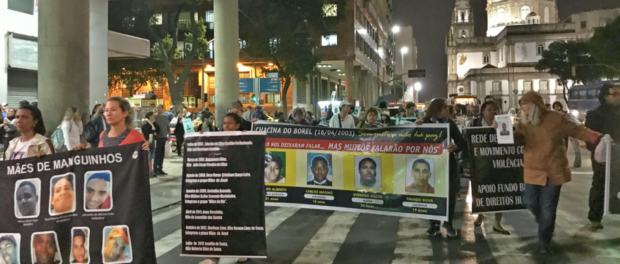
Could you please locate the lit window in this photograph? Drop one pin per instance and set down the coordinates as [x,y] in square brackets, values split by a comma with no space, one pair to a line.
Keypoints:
[539,49]
[544,85]
[330,10]
[497,86]
[157,19]
[185,19]
[527,86]
[330,39]
[209,19]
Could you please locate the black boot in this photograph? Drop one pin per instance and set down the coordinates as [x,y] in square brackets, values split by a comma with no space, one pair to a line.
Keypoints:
[434,229]
[450,232]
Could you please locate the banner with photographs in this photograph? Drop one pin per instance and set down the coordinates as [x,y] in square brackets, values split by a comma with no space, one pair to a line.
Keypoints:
[400,171]
[496,172]
[90,206]
[612,193]
[223,194]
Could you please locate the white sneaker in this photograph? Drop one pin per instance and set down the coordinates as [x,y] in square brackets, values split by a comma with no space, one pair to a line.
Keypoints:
[241,260]
[209,261]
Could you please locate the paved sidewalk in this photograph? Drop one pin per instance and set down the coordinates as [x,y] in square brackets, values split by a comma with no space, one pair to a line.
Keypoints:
[166,190]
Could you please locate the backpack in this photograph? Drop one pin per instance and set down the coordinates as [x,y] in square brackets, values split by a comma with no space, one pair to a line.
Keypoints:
[90,132]
[58,139]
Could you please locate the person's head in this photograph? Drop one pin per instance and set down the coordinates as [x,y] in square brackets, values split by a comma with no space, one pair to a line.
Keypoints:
[8,250]
[78,250]
[273,167]
[97,190]
[298,115]
[150,115]
[5,105]
[421,170]
[11,112]
[71,114]
[28,119]
[557,106]
[345,108]
[62,194]
[250,108]
[236,108]
[320,168]
[159,109]
[115,244]
[44,247]
[610,94]
[452,111]
[372,115]
[548,106]
[504,126]
[96,109]
[368,171]
[489,98]
[532,108]
[208,117]
[118,112]
[231,122]
[489,110]
[410,106]
[27,199]
[309,115]
[383,105]
[23,102]
[438,109]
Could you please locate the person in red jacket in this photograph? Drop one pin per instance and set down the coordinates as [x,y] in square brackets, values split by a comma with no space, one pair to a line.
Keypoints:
[118,115]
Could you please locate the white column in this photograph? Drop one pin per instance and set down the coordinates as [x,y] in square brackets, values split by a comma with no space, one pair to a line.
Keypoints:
[226,55]
[98,52]
[64,66]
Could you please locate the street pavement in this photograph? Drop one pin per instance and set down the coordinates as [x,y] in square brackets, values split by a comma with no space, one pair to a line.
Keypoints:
[306,236]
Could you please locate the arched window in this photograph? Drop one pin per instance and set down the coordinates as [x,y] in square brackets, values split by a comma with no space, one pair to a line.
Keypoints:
[486,59]
[539,49]
[525,10]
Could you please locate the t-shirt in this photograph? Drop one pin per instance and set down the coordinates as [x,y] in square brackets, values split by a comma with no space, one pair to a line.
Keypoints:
[347,122]
[163,123]
[20,150]
[115,141]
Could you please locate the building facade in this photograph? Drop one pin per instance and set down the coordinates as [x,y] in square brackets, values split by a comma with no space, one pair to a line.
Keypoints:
[502,63]
[407,59]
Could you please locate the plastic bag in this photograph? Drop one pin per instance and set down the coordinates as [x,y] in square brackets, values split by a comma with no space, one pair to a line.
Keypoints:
[600,153]
[168,150]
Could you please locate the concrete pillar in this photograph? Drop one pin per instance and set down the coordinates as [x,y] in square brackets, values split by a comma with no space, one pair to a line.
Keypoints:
[363,92]
[98,52]
[226,48]
[64,66]
[357,83]
[308,102]
[348,80]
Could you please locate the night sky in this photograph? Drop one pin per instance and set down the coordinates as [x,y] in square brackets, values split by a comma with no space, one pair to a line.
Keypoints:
[431,21]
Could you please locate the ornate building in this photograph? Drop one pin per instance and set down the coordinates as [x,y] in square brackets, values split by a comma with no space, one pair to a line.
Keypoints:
[502,63]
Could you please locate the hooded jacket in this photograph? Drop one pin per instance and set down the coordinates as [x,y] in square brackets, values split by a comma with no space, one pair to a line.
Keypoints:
[38,143]
[544,155]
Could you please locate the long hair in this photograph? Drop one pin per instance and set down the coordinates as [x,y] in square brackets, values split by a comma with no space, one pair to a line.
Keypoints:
[39,127]
[125,107]
[69,114]
[533,118]
[95,110]
[435,108]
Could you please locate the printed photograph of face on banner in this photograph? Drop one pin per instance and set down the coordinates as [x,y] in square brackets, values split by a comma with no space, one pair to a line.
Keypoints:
[275,171]
[44,248]
[62,194]
[368,172]
[80,241]
[27,198]
[98,191]
[319,169]
[116,245]
[9,248]
[420,176]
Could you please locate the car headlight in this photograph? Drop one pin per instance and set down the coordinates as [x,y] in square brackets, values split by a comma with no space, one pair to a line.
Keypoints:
[575,113]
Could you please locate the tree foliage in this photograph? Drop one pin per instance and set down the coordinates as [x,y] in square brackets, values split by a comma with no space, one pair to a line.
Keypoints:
[134,73]
[605,47]
[282,31]
[560,58]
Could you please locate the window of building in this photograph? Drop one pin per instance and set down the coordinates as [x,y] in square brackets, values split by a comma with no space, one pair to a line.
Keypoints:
[544,85]
[22,6]
[497,86]
[539,49]
[525,10]
[486,59]
[157,19]
[211,54]
[527,86]
[273,43]
[330,10]
[273,98]
[209,19]
[185,19]
[584,24]
[329,39]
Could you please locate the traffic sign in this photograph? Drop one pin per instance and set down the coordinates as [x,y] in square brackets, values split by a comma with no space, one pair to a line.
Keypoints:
[246,85]
[417,73]
[269,85]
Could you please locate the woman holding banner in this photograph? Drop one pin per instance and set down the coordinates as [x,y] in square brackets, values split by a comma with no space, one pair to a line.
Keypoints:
[119,115]
[438,112]
[32,142]
[489,109]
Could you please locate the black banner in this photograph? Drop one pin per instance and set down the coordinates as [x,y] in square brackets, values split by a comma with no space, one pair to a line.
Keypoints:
[496,171]
[223,198]
[90,206]
[613,180]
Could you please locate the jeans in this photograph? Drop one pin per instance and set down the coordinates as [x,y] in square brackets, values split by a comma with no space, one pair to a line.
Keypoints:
[542,201]
[160,151]
[180,141]
[152,149]
[597,192]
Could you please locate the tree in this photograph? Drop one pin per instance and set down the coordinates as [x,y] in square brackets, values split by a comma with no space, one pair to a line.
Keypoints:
[560,58]
[281,31]
[134,73]
[166,49]
[605,47]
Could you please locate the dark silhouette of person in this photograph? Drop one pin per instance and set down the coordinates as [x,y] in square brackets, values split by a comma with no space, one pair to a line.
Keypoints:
[320,169]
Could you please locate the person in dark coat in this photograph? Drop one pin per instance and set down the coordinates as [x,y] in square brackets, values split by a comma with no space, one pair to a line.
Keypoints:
[605,119]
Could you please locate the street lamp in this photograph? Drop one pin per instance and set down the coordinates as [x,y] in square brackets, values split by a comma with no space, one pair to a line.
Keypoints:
[395,29]
[417,86]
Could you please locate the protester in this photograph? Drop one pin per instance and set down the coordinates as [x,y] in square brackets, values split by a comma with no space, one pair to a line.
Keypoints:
[150,129]
[32,142]
[169,114]
[488,109]
[298,117]
[4,109]
[370,119]
[162,120]
[489,98]
[259,114]
[344,119]
[119,115]
[412,110]
[179,131]
[231,122]
[247,116]
[309,117]
[605,119]
[97,119]
[72,127]
[545,164]
[237,108]
[438,112]
[208,122]
[7,128]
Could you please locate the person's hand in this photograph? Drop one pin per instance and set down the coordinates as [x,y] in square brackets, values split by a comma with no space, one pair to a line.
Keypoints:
[7,121]
[495,124]
[79,147]
[419,122]
[451,148]
[39,154]
[254,120]
[145,146]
